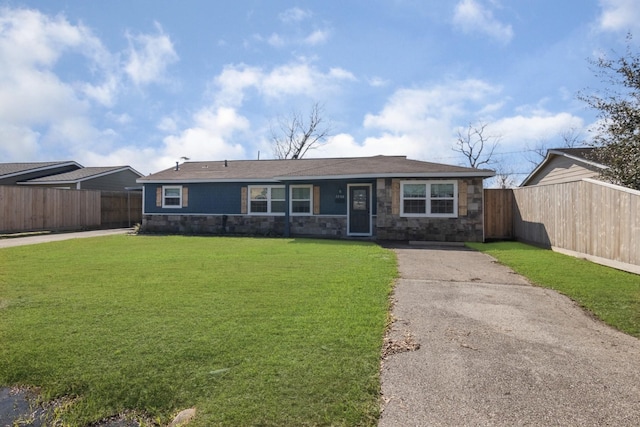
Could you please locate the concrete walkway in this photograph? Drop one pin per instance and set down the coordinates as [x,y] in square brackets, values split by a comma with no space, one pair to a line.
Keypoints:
[495,350]
[53,237]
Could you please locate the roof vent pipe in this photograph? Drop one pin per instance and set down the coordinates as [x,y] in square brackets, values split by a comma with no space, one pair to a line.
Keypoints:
[225,164]
[177,166]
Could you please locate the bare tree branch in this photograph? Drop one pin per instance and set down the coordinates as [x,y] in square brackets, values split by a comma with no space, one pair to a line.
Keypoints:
[477,147]
[295,137]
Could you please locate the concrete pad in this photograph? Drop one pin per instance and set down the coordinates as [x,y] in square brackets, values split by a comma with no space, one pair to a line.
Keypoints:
[497,351]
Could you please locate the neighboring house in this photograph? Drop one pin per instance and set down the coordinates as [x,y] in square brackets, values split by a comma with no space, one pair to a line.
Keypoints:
[564,165]
[12,173]
[112,178]
[383,197]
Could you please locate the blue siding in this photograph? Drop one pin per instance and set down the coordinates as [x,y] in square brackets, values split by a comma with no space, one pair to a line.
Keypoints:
[329,189]
[207,198]
[225,198]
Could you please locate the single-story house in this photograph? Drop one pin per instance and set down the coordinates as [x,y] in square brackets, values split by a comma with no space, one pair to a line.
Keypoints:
[380,197]
[564,165]
[109,178]
[12,173]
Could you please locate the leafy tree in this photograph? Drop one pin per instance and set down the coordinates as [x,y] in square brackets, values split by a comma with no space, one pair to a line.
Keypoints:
[617,139]
[294,136]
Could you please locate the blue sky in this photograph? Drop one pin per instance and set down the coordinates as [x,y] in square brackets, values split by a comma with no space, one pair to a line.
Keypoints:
[144,83]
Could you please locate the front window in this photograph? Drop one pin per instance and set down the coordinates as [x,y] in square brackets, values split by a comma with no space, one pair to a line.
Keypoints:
[301,197]
[269,199]
[171,196]
[429,198]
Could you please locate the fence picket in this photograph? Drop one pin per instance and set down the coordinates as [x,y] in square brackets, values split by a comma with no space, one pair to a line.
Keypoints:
[25,209]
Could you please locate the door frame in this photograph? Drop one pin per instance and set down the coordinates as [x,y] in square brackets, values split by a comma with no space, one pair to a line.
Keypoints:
[349,233]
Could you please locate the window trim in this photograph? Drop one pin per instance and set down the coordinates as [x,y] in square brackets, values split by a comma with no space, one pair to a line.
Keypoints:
[269,200]
[429,199]
[164,197]
[310,200]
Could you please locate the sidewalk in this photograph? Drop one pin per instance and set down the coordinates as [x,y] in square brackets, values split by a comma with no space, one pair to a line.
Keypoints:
[53,237]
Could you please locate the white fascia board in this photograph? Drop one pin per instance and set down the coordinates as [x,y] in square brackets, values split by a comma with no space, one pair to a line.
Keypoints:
[548,158]
[580,159]
[111,172]
[451,175]
[201,181]
[48,183]
[278,179]
[43,168]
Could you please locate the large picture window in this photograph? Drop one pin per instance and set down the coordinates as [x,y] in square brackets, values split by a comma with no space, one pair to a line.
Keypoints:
[267,199]
[429,198]
[301,200]
[172,197]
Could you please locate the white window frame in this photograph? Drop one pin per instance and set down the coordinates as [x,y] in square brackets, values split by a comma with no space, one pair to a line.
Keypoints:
[164,196]
[428,199]
[268,199]
[310,200]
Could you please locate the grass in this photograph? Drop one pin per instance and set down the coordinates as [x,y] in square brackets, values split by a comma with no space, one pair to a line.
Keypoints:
[610,294]
[249,331]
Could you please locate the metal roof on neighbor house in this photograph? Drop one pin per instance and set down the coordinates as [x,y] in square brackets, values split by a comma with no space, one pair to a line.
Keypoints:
[80,175]
[305,169]
[14,169]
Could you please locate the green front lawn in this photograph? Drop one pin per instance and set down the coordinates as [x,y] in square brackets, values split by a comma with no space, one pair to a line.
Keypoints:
[248,331]
[610,294]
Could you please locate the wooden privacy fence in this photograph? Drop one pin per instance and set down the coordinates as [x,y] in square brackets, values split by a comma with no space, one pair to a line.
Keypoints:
[587,217]
[34,209]
[498,214]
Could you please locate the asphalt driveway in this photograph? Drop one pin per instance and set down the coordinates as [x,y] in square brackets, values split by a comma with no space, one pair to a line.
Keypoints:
[494,350]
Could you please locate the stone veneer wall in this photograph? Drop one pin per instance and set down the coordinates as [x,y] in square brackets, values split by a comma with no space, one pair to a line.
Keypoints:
[214,224]
[323,226]
[467,227]
[319,225]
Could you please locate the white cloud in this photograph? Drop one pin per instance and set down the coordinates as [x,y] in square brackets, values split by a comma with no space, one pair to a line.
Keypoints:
[471,16]
[377,81]
[32,96]
[234,80]
[276,40]
[294,15]
[407,109]
[416,122]
[538,125]
[41,112]
[208,137]
[293,79]
[104,93]
[619,15]
[317,37]
[149,56]
[421,123]
[18,142]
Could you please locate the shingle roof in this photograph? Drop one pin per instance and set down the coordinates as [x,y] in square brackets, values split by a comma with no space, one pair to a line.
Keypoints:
[79,175]
[10,169]
[581,154]
[304,169]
